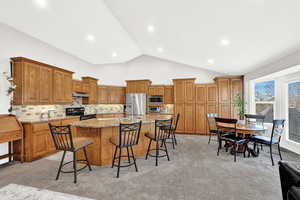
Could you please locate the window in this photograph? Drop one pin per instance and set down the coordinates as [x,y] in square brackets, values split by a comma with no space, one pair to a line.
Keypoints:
[264,99]
[294,111]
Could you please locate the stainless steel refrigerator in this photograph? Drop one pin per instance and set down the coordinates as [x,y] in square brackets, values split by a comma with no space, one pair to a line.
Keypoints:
[136,104]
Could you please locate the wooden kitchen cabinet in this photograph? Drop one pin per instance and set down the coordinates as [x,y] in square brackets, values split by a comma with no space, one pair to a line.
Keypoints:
[189,118]
[169,95]
[33,80]
[200,118]
[224,90]
[103,95]
[38,140]
[77,86]
[156,90]
[92,87]
[137,86]
[201,92]
[190,91]
[179,108]
[212,93]
[62,87]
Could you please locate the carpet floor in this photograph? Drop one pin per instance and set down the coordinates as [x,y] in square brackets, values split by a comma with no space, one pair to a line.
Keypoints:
[194,172]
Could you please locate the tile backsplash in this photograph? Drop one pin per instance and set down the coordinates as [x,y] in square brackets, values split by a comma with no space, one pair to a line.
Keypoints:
[31,112]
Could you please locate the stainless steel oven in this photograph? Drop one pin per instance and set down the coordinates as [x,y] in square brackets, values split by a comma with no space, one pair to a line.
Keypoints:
[156,100]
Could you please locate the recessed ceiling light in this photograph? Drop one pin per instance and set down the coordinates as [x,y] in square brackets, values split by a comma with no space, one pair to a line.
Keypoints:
[90,37]
[150,28]
[160,49]
[41,3]
[225,42]
[210,61]
[114,54]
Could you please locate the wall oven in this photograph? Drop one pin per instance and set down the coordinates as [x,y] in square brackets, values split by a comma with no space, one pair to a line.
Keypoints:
[156,100]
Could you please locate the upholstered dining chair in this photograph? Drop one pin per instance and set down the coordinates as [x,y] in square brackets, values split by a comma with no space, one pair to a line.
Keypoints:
[277,132]
[226,130]
[212,130]
[257,119]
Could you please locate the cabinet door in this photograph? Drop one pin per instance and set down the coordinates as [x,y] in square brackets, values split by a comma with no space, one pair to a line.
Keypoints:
[201,118]
[189,91]
[31,83]
[85,87]
[152,91]
[201,93]
[112,95]
[40,143]
[122,95]
[67,88]
[212,93]
[225,110]
[179,108]
[142,87]
[58,87]
[236,88]
[77,86]
[179,91]
[169,95]
[131,87]
[212,108]
[102,95]
[189,118]
[224,90]
[46,75]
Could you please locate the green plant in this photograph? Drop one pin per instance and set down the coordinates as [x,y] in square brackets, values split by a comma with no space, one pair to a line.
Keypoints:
[239,104]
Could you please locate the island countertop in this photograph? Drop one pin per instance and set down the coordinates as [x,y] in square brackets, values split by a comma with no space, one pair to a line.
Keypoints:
[114,122]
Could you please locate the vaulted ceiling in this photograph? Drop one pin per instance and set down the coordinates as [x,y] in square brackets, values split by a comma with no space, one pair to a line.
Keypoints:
[231,36]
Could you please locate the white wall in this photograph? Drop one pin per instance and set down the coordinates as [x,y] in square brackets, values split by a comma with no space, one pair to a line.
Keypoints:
[282,71]
[159,71]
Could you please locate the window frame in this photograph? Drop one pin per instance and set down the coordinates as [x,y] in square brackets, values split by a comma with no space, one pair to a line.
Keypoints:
[264,102]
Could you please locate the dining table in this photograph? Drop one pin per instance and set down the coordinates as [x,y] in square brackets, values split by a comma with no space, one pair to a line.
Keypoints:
[246,129]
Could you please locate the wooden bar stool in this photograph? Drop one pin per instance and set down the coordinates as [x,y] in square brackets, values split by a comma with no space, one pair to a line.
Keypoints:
[128,137]
[163,129]
[64,141]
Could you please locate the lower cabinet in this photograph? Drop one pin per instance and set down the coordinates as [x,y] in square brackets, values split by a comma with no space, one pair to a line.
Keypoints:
[224,110]
[189,118]
[201,121]
[38,140]
[179,108]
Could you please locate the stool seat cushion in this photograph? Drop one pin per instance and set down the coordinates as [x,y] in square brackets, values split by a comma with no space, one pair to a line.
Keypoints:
[150,135]
[115,140]
[81,142]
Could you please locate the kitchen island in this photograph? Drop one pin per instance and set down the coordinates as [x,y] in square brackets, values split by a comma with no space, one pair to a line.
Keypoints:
[101,130]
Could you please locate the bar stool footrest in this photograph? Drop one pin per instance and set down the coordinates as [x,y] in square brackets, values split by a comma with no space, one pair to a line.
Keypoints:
[66,172]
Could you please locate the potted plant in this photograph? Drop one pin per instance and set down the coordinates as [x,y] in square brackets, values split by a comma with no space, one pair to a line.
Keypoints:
[239,104]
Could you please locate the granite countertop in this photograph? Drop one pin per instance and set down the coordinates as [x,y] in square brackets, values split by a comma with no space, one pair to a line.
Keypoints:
[113,122]
[39,120]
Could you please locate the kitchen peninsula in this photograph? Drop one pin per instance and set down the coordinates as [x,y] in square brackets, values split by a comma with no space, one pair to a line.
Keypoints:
[101,130]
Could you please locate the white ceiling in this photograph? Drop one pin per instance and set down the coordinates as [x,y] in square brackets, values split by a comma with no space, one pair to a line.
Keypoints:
[187,32]
[65,24]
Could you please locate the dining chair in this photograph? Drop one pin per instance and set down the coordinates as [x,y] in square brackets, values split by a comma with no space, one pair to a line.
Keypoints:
[257,119]
[128,137]
[64,141]
[277,132]
[212,130]
[226,131]
[163,128]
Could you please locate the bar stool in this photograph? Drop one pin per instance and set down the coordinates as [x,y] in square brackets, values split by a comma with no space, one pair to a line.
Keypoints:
[64,141]
[128,137]
[172,135]
[163,129]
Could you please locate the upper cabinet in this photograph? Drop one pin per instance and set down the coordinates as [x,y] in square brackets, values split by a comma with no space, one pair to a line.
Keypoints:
[212,93]
[184,90]
[201,92]
[91,88]
[224,89]
[62,87]
[77,86]
[111,95]
[169,95]
[156,90]
[39,83]
[138,86]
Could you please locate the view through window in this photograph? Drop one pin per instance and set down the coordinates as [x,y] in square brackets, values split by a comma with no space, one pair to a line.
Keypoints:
[264,99]
[294,111]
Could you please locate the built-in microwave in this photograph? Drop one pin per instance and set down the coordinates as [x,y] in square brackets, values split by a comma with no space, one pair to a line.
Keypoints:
[156,99]
[154,109]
